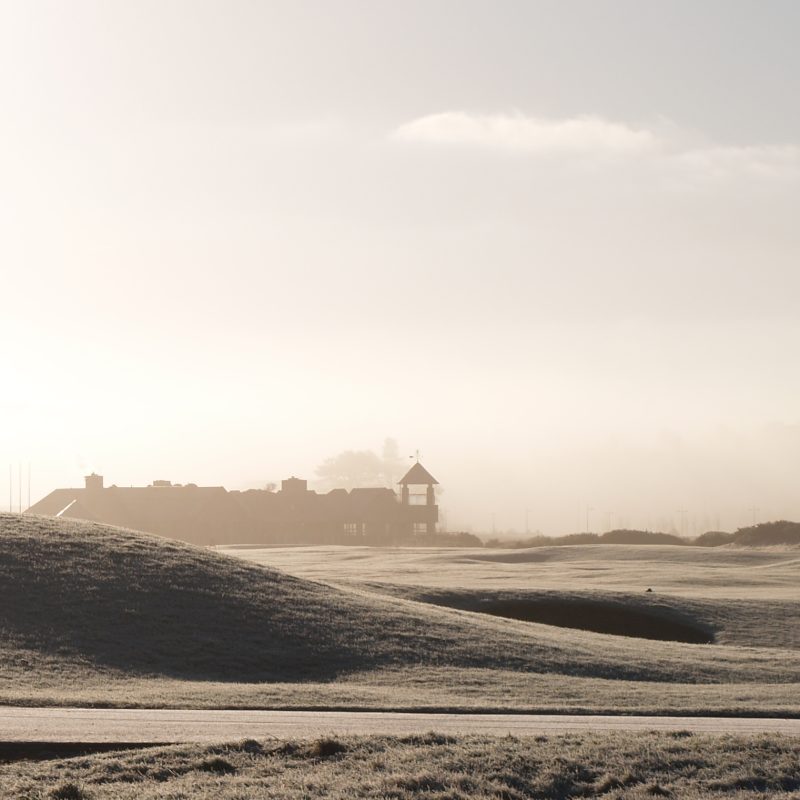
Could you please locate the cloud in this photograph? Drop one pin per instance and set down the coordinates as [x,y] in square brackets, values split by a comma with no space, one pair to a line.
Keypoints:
[771,162]
[668,152]
[584,135]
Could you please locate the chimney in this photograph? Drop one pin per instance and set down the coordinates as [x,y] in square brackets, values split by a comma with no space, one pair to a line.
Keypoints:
[294,485]
[94,482]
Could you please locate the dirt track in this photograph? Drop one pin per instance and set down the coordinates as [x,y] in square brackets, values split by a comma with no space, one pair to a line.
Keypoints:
[160,725]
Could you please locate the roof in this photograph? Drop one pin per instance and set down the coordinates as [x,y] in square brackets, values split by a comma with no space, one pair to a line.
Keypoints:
[191,513]
[418,475]
[55,502]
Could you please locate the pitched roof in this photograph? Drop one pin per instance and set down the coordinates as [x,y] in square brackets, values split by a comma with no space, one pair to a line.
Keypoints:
[56,501]
[418,475]
[198,514]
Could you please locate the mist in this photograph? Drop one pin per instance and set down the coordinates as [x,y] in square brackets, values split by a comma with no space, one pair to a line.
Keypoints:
[224,259]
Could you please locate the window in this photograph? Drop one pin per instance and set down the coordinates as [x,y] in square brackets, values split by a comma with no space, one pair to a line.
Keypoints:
[351,528]
[420,528]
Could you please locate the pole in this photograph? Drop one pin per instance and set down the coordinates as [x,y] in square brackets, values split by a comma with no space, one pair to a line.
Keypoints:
[683,512]
[19,485]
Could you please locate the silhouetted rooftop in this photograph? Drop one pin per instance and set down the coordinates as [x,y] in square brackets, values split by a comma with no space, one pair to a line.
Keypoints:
[418,475]
[212,515]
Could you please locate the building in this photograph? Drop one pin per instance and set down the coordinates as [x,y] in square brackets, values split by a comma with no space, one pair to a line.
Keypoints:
[293,515]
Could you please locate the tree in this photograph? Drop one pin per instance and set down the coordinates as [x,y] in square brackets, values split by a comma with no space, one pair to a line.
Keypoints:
[393,465]
[353,468]
[350,469]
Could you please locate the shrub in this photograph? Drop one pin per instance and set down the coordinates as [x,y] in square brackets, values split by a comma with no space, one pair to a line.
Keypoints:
[326,748]
[250,746]
[769,533]
[218,765]
[68,791]
[640,537]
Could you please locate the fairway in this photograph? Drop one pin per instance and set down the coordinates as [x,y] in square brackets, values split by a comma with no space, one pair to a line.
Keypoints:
[714,572]
[735,596]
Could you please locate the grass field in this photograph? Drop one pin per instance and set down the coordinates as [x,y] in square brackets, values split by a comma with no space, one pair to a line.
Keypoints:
[737,596]
[727,573]
[97,615]
[429,766]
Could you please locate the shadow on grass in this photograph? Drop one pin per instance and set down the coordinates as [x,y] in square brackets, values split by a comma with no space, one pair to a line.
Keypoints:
[599,617]
[11,752]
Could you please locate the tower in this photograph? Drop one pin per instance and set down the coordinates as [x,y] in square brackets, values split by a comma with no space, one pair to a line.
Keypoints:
[420,510]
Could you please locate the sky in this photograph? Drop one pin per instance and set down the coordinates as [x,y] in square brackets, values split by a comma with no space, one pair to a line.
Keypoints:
[552,245]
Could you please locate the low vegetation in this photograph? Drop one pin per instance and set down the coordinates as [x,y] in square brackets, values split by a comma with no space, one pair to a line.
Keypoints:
[769,534]
[609,537]
[766,534]
[432,766]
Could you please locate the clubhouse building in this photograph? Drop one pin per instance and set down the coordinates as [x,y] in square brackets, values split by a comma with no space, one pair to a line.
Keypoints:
[295,514]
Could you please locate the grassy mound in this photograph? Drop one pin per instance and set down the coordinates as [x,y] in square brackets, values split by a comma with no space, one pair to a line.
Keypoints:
[100,598]
[769,534]
[141,604]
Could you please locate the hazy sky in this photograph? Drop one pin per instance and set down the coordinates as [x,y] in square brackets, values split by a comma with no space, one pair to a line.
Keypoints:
[554,245]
